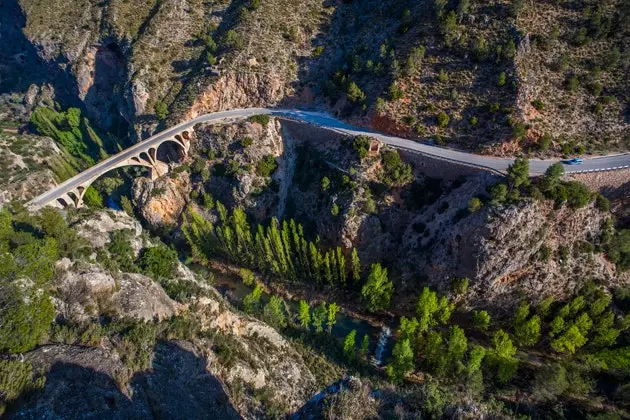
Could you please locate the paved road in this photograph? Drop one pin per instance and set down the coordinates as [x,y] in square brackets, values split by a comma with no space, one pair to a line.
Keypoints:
[326,121]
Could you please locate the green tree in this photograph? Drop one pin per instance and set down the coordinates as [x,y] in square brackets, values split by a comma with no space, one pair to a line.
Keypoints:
[331,318]
[274,312]
[518,173]
[318,317]
[457,346]
[378,289]
[355,94]
[442,119]
[436,353]
[481,320]
[407,328]
[126,205]
[502,358]
[426,308]
[365,346]
[498,194]
[570,341]
[402,362]
[550,382]
[355,266]
[528,332]
[463,7]
[251,302]
[349,345]
[247,276]
[159,262]
[304,314]
[502,79]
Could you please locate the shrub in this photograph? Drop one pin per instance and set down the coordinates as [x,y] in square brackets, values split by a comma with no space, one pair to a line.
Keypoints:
[578,194]
[538,104]
[502,79]
[442,119]
[159,262]
[473,121]
[361,146]
[16,380]
[395,91]
[262,119]
[161,110]
[395,171]
[474,205]
[25,318]
[602,203]
[572,83]
[334,210]
[443,76]
[266,166]
[459,285]
[246,142]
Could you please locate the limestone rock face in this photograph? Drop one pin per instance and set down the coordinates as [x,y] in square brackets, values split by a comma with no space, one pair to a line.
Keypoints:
[86,290]
[97,228]
[161,202]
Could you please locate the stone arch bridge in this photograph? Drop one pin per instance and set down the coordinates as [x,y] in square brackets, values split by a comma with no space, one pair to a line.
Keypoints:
[144,153]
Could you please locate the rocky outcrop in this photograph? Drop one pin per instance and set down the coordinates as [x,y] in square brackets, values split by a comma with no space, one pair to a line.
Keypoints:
[240,90]
[501,251]
[87,290]
[161,202]
[81,382]
[97,228]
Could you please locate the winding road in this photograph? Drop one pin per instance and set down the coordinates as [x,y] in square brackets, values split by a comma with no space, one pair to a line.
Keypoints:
[326,121]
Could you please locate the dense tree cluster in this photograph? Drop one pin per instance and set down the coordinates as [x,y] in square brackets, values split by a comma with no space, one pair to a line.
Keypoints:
[279,248]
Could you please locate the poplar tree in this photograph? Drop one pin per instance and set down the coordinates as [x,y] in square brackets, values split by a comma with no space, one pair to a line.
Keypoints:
[365,345]
[304,315]
[378,289]
[333,308]
[341,265]
[349,345]
[356,266]
[318,317]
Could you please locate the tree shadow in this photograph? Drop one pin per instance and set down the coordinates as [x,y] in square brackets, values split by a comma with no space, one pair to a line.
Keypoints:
[177,387]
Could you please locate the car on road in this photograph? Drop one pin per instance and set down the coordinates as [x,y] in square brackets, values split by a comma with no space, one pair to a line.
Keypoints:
[574,161]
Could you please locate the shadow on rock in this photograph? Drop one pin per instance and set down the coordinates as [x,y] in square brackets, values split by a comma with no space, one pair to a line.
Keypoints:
[177,387]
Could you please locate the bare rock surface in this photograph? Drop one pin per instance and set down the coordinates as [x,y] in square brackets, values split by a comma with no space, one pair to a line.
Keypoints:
[80,384]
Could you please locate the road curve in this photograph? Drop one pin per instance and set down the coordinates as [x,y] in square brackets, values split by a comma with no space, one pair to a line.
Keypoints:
[326,121]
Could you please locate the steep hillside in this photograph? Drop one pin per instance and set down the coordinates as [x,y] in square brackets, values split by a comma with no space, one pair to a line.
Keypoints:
[503,78]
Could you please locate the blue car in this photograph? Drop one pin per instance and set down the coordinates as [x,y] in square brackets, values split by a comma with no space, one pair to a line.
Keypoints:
[574,161]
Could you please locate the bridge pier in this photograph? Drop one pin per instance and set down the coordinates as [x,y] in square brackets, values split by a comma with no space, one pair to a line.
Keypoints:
[73,194]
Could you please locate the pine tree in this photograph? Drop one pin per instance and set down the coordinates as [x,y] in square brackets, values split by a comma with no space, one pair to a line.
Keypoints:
[304,315]
[402,362]
[457,345]
[356,266]
[349,345]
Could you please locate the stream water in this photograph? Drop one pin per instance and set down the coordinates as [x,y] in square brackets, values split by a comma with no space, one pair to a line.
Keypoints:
[233,289]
